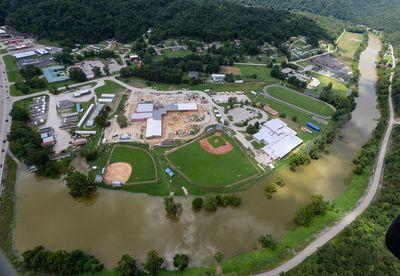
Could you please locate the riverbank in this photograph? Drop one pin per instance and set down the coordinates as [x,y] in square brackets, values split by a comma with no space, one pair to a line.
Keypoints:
[7,209]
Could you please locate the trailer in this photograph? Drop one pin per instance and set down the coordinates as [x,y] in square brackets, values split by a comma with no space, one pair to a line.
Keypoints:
[313,127]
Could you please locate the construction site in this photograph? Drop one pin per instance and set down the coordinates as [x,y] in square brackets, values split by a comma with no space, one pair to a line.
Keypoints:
[160,118]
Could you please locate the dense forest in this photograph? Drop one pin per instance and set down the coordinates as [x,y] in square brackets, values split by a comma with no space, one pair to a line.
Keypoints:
[381,15]
[95,20]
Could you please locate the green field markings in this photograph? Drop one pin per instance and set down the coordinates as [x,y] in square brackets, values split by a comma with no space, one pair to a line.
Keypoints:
[293,117]
[300,100]
[338,87]
[211,170]
[142,162]
[348,46]
[263,73]
[109,87]
[216,141]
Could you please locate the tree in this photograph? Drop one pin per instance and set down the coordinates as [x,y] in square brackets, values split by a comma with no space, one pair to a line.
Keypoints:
[197,203]
[153,263]
[106,70]
[211,204]
[19,114]
[266,241]
[181,261]
[77,74]
[173,208]
[79,185]
[96,71]
[127,266]
[122,121]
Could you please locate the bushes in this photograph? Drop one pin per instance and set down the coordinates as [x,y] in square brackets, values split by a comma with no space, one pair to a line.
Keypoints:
[60,262]
[266,241]
[316,207]
[212,203]
[79,185]
[173,208]
[122,121]
[197,203]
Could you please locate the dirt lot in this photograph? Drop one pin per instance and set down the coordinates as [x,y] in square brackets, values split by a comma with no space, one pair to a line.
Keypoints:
[176,125]
[230,70]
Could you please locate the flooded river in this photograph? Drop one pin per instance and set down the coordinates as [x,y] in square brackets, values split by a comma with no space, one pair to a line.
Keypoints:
[117,223]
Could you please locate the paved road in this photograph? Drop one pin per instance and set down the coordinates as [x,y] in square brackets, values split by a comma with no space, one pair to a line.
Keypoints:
[265,93]
[349,218]
[5,107]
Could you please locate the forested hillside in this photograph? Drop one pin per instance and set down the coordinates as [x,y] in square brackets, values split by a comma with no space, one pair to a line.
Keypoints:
[95,20]
[381,15]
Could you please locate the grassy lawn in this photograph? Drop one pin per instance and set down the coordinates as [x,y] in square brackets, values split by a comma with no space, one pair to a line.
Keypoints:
[14,76]
[7,209]
[338,87]
[263,73]
[210,170]
[348,45]
[15,92]
[293,117]
[3,51]
[10,62]
[109,87]
[301,101]
[143,168]
[216,141]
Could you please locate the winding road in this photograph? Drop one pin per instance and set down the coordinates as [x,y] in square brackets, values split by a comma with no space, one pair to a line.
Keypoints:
[326,236]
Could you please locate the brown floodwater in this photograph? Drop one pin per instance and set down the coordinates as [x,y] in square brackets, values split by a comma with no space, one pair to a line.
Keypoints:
[116,223]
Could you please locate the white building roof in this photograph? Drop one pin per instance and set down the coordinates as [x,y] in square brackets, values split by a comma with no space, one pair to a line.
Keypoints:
[144,107]
[153,128]
[187,106]
[141,116]
[314,83]
[280,138]
[287,70]
[24,54]
[218,77]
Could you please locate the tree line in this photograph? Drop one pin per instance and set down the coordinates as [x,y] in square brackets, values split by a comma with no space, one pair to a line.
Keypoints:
[93,21]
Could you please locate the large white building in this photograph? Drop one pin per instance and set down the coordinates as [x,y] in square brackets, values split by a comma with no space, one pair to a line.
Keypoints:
[280,139]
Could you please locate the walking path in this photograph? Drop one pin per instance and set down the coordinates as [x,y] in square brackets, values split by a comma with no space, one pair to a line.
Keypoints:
[350,217]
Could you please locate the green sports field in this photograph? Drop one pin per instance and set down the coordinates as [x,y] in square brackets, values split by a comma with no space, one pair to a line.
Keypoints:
[143,168]
[211,170]
[338,87]
[348,45]
[301,101]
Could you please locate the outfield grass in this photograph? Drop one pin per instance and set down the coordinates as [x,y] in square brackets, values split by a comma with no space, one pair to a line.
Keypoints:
[109,87]
[263,73]
[143,168]
[348,45]
[338,87]
[210,170]
[301,101]
[289,114]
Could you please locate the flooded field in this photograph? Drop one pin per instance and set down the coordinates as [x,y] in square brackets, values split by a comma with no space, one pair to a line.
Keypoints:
[116,223]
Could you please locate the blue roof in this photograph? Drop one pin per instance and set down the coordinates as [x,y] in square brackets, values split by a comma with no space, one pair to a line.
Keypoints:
[169,172]
[78,107]
[52,74]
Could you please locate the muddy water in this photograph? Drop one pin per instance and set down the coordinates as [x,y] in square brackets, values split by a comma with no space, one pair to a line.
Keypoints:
[116,223]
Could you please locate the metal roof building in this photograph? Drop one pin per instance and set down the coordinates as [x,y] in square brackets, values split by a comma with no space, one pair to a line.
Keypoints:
[24,54]
[55,74]
[280,139]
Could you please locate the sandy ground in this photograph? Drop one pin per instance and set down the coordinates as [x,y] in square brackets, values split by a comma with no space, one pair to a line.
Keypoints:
[119,171]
